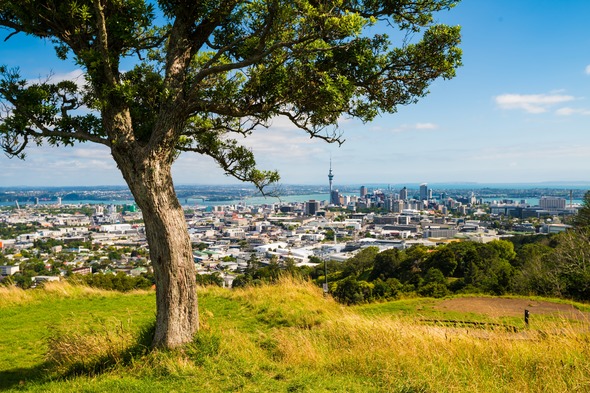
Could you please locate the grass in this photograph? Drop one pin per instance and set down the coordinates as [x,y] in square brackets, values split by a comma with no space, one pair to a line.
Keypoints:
[283,338]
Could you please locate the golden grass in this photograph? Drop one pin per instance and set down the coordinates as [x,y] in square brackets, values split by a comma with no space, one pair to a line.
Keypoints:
[13,295]
[289,336]
[439,358]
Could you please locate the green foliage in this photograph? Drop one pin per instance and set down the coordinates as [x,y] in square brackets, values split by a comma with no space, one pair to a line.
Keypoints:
[361,261]
[11,231]
[582,219]
[443,260]
[387,264]
[210,279]
[350,291]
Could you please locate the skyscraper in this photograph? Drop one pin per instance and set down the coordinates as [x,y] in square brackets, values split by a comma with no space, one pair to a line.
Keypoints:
[423,192]
[363,191]
[403,194]
[312,207]
[335,198]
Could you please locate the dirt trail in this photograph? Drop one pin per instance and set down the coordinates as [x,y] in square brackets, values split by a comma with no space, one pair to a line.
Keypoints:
[502,307]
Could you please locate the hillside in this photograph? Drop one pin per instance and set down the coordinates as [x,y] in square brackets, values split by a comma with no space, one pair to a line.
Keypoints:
[286,338]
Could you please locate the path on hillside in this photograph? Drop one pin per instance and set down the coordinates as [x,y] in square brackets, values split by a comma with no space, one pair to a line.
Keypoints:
[504,307]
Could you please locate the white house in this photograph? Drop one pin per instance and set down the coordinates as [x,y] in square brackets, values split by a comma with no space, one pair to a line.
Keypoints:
[8,270]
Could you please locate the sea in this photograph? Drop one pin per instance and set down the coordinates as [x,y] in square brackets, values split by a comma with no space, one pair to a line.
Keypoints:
[520,193]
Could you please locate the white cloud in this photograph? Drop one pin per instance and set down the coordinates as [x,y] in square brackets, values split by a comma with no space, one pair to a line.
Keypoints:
[426,126]
[415,127]
[566,111]
[538,154]
[77,76]
[587,70]
[531,103]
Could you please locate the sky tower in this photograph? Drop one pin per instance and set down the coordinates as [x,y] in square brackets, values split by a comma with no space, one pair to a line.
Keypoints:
[330,178]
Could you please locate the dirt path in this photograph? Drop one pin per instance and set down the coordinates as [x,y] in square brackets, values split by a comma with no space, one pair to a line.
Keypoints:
[502,307]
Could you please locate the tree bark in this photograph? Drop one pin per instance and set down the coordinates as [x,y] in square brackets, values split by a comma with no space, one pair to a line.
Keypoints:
[150,181]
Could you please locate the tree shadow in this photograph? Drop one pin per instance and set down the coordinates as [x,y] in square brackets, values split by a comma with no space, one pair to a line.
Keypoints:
[21,377]
[48,371]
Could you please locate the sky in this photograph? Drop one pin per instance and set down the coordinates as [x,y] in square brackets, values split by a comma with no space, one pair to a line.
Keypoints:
[518,111]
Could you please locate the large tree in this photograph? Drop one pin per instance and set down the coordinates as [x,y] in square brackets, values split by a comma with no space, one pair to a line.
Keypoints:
[206,73]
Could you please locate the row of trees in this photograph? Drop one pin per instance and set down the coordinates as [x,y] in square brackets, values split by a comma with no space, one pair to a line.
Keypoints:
[556,266]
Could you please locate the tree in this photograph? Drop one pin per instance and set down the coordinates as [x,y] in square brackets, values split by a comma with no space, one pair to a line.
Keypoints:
[386,265]
[443,260]
[582,219]
[205,74]
[361,261]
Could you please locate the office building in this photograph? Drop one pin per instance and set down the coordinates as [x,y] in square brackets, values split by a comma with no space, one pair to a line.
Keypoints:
[312,207]
[335,198]
[363,191]
[551,203]
[403,194]
[423,192]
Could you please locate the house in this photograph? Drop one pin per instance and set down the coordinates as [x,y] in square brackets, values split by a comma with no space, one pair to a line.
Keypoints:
[8,270]
[82,270]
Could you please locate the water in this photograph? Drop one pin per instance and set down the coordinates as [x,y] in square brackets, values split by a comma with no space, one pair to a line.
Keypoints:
[186,202]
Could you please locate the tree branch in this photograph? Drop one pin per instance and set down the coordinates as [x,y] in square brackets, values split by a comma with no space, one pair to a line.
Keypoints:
[103,42]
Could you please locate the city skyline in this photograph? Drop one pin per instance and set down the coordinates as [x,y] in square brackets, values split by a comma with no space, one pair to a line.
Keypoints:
[516,112]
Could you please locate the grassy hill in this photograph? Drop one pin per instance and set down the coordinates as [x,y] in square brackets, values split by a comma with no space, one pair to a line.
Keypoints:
[283,338]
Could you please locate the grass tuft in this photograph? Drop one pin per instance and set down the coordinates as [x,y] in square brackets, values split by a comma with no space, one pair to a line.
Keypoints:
[94,349]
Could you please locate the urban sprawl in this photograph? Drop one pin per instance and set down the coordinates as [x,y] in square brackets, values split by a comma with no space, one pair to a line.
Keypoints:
[83,239]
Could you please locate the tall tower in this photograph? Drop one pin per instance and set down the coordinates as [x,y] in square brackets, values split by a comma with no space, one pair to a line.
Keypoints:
[330,178]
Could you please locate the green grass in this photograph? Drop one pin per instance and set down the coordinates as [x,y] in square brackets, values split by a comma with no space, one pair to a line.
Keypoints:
[283,338]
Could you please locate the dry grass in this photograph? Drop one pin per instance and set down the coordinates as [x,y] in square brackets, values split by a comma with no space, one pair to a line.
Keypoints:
[441,359]
[13,295]
[288,337]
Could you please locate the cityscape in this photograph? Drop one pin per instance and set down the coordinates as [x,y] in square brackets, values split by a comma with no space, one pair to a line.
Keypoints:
[307,225]
[307,196]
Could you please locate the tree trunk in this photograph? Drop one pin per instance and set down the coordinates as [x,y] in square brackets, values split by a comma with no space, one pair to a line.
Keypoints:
[150,181]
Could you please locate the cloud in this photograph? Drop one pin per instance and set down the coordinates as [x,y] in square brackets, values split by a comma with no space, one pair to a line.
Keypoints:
[531,103]
[566,111]
[587,70]
[538,154]
[415,127]
[77,76]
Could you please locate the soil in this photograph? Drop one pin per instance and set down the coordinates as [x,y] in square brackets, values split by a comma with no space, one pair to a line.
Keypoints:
[504,307]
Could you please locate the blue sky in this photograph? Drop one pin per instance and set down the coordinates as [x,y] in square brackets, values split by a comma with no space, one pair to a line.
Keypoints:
[517,111]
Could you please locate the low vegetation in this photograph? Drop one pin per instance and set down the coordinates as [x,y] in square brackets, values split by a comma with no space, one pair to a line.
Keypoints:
[553,266]
[285,337]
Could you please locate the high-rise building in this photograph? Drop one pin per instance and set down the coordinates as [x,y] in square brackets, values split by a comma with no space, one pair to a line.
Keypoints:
[423,192]
[312,207]
[398,206]
[552,203]
[335,197]
[403,194]
[363,191]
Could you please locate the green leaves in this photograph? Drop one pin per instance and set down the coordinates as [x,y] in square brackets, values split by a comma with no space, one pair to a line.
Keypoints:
[34,112]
